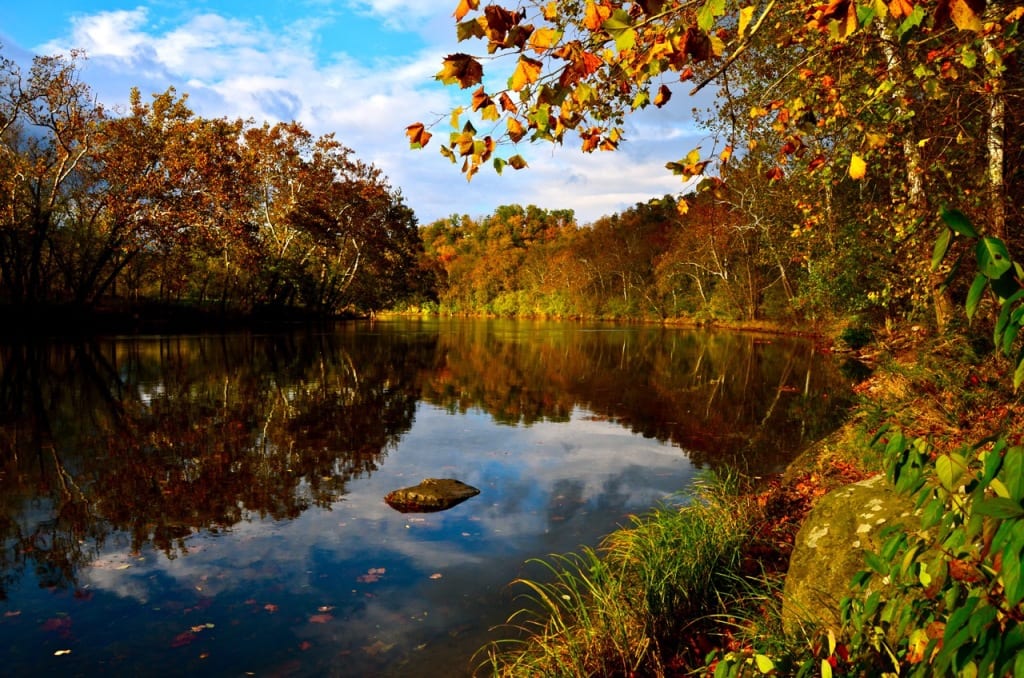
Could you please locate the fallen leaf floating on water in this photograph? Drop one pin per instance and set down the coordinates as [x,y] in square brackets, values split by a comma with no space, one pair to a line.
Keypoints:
[436,575]
[270,607]
[372,575]
[325,608]
[61,653]
[320,618]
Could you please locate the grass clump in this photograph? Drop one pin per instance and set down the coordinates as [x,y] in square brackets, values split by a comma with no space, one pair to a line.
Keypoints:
[638,599]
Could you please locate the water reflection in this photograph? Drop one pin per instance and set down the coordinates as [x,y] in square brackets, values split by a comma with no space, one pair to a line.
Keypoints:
[218,493]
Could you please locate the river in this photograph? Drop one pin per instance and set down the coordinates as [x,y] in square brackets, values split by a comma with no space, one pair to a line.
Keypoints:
[213,504]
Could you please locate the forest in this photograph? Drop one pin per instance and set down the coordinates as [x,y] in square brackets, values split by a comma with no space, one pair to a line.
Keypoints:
[156,208]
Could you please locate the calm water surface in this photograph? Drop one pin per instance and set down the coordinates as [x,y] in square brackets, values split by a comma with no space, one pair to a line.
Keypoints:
[214,505]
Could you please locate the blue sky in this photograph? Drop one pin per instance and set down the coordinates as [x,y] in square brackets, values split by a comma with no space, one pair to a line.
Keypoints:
[362,69]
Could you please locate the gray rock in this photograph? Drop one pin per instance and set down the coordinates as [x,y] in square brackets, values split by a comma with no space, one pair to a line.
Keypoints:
[830,548]
[433,494]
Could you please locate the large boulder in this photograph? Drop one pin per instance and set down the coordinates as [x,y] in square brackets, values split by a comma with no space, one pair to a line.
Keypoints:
[830,548]
[433,494]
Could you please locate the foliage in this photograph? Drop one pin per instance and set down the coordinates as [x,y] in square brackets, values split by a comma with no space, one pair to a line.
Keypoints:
[161,205]
[948,598]
[999,275]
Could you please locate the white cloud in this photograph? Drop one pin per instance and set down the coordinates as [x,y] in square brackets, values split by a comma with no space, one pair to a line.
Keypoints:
[246,68]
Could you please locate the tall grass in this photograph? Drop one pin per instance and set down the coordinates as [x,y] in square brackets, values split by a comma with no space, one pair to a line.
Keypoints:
[622,608]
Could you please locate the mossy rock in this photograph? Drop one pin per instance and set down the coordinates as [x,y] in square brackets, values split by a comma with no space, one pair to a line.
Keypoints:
[433,494]
[830,548]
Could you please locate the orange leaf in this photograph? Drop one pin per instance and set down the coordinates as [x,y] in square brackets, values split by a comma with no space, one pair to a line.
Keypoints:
[418,135]
[543,39]
[464,7]
[507,104]
[900,8]
[517,162]
[595,15]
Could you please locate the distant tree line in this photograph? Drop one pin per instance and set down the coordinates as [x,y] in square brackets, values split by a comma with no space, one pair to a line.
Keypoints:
[155,205]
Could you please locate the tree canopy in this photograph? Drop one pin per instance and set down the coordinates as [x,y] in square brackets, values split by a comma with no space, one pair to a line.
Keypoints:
[157,204]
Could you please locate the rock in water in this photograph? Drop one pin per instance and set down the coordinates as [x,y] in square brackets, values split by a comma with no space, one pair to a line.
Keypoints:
[433,494]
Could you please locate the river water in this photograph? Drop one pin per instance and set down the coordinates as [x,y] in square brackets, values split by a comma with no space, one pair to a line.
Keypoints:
[213,505]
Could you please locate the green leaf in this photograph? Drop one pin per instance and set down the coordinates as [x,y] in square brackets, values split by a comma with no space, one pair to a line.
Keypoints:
[975,293]
[956,220]
[941,247]
[1013,472]
[1011,575]
[1004,316]
[876,562]
[911,22]
[998,507]
[620,27]
[709,11]
[993,257]
[1018,374]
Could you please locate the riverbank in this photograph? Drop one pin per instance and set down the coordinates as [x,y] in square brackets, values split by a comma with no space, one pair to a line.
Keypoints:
[728,620]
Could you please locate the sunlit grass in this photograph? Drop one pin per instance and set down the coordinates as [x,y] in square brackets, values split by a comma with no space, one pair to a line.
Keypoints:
[624,607]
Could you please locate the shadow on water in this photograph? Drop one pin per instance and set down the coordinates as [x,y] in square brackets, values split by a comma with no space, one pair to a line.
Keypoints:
[125,456]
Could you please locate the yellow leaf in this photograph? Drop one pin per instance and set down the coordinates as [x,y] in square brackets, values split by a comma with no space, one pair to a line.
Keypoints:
[876,141]
[464,7]
[516,131]
[456,112]
[746,14]
[551,11]
[858,168]
[682,207]
[725,154]
[527,71]
[963,16]
[543,39]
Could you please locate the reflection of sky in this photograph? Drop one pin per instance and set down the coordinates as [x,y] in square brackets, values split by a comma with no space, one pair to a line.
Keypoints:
[293,597]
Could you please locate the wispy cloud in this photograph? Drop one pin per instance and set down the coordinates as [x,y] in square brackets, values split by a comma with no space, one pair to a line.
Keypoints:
[303,70]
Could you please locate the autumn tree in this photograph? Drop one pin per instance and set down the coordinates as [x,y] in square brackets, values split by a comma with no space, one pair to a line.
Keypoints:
[48,125]
[853,93]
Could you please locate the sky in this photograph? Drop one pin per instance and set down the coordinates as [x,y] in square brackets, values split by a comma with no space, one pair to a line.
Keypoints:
[361,69]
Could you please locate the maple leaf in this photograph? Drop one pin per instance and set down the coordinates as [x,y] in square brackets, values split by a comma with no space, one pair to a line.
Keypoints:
[527,71]
[418,135]
[460,68]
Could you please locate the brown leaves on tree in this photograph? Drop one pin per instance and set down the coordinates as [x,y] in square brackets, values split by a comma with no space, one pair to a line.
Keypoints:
[461,69]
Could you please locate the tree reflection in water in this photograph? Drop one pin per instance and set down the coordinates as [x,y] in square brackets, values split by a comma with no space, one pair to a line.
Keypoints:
[150,440]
